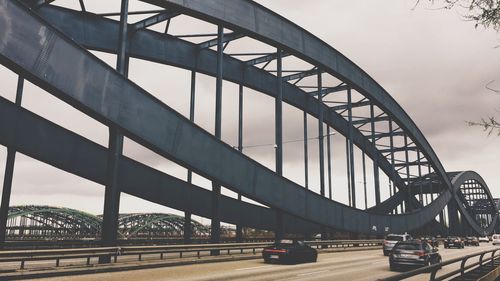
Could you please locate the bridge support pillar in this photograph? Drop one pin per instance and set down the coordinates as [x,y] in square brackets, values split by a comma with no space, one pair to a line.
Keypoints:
[187,215]
[216,188]
[239,228]
[278,129]
[453,221]
[109,233]
[9,174]
[351,149]
[376,178]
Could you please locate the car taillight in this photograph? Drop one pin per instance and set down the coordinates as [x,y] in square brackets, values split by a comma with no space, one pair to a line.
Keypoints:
[419,253]
[386,242]
[274,251]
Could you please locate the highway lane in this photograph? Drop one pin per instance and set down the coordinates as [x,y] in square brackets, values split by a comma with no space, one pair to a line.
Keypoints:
[360,265]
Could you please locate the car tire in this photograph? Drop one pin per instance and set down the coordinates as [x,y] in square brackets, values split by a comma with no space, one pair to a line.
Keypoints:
[314,258]
[392,267]
[386,253]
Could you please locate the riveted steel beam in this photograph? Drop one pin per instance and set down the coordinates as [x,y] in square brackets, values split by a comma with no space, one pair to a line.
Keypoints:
[156,19]
[353,105]
[228,37]
[301,75]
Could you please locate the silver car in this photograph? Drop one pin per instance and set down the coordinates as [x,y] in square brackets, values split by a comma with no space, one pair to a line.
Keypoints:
[392,239]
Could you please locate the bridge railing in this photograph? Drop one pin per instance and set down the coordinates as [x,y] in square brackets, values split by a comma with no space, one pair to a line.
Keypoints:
[24,256]
[491,256]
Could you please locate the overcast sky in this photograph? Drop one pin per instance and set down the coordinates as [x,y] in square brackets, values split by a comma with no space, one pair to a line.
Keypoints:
[434,63]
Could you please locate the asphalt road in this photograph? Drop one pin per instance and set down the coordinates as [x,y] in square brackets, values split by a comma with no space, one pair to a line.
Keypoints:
[360,265]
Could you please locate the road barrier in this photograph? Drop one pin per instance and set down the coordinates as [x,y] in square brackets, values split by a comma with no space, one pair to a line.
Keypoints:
[140,251]
[492,256]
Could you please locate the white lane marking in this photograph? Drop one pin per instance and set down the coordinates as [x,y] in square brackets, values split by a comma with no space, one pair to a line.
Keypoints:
[311,273]
[255,267]
[384,261]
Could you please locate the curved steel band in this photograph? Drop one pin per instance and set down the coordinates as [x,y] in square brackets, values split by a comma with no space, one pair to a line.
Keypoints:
[31,46]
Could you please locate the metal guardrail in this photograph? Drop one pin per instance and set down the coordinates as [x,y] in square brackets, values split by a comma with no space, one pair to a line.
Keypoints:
[95,243]
[433,269]
[23,256]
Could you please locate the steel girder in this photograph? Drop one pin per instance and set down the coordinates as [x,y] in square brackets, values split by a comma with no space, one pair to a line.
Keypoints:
[45,141]
[117,111]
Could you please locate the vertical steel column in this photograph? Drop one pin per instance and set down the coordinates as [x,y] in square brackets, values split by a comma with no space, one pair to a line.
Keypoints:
[306,156]
[348,169]
[215,222]
[351,149]
[320,138]
[278,130]
[420,177]
[409,191]
[115,149]
[375,159]
[239,228]
[329,159]
[364,180]
[324,234]
[453,217]
[391,144]
[187,215]
[9,173]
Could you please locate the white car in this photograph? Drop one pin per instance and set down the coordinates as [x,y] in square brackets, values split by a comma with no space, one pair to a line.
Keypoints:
[484,239]
[392,239]
[496,239]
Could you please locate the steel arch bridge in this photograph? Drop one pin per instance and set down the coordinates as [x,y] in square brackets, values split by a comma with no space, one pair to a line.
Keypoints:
[42,222]
[154,225]
[34,222]
[48,45]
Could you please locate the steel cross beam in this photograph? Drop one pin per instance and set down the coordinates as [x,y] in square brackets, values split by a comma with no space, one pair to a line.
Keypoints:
[301,75]
[362,103]
[266,58]
[368,120]
[398,149]
[330,90]
[228,37]
[38,3]
[156,19]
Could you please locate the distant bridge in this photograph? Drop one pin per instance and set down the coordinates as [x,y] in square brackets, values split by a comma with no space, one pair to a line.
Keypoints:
[48,46]
[50,223]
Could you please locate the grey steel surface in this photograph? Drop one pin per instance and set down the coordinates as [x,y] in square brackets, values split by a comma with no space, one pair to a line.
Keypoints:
[63,149]
[33,48]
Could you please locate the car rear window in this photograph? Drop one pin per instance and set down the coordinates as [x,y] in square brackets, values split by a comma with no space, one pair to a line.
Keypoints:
[394,238]
[407,246]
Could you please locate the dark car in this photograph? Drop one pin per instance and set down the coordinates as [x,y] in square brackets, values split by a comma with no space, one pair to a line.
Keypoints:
[454,242]
[289,251]
[471,241]
[413,253]
[432,241]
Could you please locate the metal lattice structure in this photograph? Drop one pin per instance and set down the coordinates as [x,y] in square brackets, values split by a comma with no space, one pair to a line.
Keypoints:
[46,222]
[155,225]
[49,223]
[48,45]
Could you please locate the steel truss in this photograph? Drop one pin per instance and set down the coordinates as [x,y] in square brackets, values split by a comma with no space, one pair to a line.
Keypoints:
[54,223]
[357,108]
